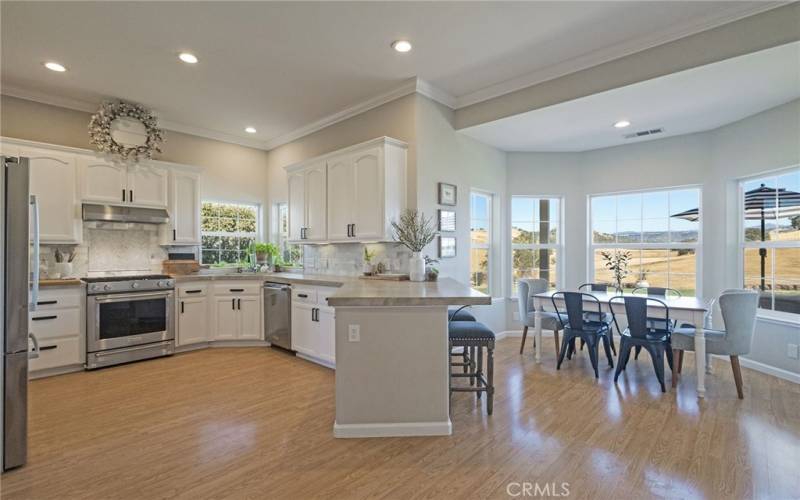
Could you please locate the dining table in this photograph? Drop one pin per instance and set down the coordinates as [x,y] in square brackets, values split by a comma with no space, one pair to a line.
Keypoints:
[684,310]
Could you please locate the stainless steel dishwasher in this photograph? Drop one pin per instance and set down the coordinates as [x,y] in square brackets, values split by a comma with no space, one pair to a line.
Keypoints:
[278,314]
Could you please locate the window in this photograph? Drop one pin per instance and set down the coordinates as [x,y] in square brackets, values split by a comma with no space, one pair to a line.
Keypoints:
[228,230]
[292,255]
[480,246]
[658,230]
[770,219]
[535,239]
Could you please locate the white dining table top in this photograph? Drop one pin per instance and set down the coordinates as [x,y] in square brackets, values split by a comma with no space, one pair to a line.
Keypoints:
[684,303]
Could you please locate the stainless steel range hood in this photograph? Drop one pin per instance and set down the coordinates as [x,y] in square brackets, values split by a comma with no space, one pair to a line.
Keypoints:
[111,213]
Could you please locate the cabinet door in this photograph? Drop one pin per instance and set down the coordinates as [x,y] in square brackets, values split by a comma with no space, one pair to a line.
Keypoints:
[54,181]
[250,318]
[185,208]
[368,195]
[316,204]
[303,329]
[340,198]
[147,186]
[326,335]
[192,321]
[297,205]
[104,182]
[227,318]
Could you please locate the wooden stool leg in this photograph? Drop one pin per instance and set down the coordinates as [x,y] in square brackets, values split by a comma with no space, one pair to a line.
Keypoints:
[490,379]
[558,344]
[480,370]
[680,361]
[524,336]
[737,376]
[676,356]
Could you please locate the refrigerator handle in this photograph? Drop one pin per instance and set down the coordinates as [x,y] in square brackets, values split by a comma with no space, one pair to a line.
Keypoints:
[35,272]
[35,353]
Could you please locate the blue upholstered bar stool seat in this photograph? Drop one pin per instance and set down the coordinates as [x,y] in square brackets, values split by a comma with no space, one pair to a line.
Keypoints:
[459,314]
[474,336]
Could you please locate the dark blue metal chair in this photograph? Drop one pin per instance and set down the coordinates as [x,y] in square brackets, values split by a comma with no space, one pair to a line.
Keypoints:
[603,316]
[642,334]
[659,293]
[592,333]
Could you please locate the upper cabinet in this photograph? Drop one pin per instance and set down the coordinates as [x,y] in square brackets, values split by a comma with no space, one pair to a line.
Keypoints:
[54,182]
[142,184]
[184,208]
[307,203]
[365,191]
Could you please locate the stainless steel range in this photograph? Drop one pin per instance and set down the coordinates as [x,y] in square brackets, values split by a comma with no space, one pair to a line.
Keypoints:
[129,318]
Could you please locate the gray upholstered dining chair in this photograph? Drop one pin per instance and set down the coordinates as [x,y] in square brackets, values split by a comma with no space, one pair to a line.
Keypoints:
[739,315]
[526,289]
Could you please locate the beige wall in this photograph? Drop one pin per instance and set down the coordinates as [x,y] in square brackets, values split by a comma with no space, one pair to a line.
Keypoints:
[231,172]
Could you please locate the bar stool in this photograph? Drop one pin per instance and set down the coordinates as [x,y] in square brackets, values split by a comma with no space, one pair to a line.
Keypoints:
[467,355]
[474,335]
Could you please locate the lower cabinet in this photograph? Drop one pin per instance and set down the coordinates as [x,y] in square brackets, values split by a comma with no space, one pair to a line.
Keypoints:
[192,322]
[218,311]
[313,325]
[59,327]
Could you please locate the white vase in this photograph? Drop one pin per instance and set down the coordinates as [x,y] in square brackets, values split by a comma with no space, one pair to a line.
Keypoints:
[63,269]
[416,267]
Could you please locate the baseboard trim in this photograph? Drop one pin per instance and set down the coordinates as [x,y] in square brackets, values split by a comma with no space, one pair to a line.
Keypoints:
[221,343]
[764,368]
[59,370]
[318,361]
[518,334]
[392,430]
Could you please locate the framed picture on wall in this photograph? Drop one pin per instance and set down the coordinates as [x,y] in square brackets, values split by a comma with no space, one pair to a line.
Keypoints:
[447,220]
[447,194]
[447,247]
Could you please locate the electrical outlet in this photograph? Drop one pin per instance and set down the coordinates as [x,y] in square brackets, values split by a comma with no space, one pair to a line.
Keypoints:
[792,351]
[354,333]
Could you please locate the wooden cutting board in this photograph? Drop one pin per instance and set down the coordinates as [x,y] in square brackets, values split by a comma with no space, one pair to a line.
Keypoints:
[386,277]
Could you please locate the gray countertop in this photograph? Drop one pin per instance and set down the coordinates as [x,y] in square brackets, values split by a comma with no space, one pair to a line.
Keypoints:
[354,292]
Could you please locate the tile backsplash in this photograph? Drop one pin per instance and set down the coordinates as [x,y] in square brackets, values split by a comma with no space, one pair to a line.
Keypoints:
[112,247]
[347,259]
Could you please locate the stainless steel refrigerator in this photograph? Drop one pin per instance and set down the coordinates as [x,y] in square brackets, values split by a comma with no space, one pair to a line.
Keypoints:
[19,225]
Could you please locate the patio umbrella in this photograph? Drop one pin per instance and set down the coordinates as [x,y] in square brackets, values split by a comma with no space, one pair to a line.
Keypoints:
[761,203]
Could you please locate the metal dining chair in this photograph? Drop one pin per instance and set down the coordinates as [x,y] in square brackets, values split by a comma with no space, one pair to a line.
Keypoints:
[641,334]
[739,309]
[657,292]
[526,289]
[578,327]
[603,316]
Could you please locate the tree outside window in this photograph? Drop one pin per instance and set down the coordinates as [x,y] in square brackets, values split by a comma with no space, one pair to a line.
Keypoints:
[228,230]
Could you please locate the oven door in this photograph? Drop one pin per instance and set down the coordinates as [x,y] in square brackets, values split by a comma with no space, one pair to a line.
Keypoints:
[126,319]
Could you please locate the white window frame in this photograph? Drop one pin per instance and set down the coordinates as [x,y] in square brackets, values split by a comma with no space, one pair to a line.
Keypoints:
[280,238]
[558,246]
[489,237]
[781,316]
[697,246]
[257,237]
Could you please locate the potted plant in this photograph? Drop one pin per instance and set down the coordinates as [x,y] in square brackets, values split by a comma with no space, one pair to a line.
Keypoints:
[415,232]
[265,252]
[367,267]
[431,273]
[617,262]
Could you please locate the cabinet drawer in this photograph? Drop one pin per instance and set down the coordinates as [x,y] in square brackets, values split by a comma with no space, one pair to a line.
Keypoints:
[192,290]
[56,323]
[304,295]
[234,288]
[59,299]
[58,352]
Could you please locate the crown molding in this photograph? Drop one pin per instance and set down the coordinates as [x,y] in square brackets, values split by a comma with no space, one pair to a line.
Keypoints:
[428,90]
[617,51]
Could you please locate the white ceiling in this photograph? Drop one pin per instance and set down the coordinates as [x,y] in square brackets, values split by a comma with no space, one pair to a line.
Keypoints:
[282,66]
[690,101]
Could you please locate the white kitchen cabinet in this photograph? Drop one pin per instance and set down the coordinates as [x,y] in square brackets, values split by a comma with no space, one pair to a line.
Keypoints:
[184,209]
[313,325]
[302,329]
[326,324]
[365,191]
[307,204]
[142,185]
[54,182]
[59,326]
[237,308]
[148,185]
[192,314]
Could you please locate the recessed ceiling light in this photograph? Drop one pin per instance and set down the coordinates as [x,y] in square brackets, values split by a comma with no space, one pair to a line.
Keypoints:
[54,66]
[401,45]
[622,124]
[187,57]
[250,130]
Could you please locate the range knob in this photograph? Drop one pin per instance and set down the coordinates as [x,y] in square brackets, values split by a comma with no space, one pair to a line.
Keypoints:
[134,285]
[106,287]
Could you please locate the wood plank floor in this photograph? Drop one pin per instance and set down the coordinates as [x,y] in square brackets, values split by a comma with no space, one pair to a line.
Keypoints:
[255,423]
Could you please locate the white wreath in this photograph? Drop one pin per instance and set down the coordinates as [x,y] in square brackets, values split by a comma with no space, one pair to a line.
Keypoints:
[100,130]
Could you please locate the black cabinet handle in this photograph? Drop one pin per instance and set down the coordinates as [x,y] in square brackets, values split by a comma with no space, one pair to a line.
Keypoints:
[237,289]
[193,291]
[313,316]
[239,304]
[46,302]
[302,295]
[233,304]
[354,230]
[174,235]
[48,347]
[181,307]
[42,318]
[123,195]
[131,195]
